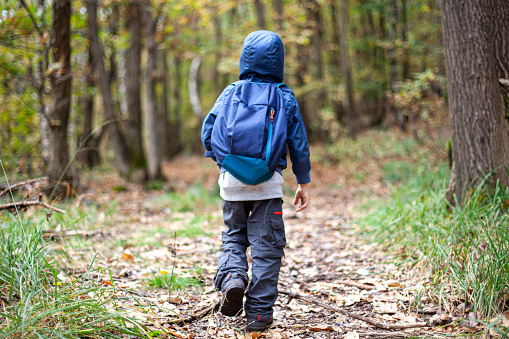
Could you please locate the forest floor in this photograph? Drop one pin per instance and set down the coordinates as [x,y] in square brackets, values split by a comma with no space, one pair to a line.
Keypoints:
[146,239]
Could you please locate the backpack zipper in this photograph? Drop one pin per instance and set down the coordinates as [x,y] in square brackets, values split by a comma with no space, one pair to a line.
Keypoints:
[269,136]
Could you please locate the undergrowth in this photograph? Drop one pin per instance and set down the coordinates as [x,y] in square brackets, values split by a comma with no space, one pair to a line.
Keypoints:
[465,247]
[39,300]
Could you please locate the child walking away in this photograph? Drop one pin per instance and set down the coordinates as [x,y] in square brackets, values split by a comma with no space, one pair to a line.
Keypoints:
[253,124]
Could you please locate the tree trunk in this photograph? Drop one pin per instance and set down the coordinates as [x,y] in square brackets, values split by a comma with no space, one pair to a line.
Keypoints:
[218,88]
[335,59]
[347,73]
[61,83]
[404,42]
[165,132]
[260,14]
[151,116]
[88,143]
[115,133]
[278,10]
[176,122]
[480,134]
[194,97]
[394,66]
[133,88]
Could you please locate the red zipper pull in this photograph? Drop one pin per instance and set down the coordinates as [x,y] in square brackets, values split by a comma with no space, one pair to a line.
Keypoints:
[272,112]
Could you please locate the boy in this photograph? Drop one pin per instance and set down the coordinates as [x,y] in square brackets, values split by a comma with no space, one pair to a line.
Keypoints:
[247,133]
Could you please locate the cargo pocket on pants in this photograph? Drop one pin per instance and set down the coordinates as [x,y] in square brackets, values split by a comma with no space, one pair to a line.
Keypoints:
[278,232]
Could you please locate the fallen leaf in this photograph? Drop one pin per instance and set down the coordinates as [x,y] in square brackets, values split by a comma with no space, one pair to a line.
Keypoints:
[105,282]
[362,271]
[176,301]
[389,308]
[127,257]
[319,328]
[351,335]
[255,335]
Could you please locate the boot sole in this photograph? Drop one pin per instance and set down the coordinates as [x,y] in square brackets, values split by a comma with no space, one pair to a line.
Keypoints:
[254,328]
[232,301]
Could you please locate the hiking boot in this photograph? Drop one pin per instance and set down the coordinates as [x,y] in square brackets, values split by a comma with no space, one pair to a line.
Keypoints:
[233,295]
[255,325]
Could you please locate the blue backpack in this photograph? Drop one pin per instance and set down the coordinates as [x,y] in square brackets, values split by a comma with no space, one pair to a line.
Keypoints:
[250,132]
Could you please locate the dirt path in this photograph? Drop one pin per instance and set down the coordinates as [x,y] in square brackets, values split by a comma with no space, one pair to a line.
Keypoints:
[136,243]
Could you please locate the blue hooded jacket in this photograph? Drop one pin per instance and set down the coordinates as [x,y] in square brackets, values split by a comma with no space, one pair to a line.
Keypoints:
[262,61]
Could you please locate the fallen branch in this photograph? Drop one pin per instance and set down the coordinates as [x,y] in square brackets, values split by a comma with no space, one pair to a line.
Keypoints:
[341,282]
[84,234]
[20,184]
[383,325]
[25,204]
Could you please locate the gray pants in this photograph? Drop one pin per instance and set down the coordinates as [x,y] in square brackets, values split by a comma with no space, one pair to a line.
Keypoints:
[258,224]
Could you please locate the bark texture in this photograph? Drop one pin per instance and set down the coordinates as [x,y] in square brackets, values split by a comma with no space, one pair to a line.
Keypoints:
[61,83]
[132,82]
[480,134]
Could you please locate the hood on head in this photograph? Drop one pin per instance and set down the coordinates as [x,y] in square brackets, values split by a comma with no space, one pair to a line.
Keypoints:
[262,54]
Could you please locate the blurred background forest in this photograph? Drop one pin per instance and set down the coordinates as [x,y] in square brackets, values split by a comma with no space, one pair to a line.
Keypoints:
[128,83]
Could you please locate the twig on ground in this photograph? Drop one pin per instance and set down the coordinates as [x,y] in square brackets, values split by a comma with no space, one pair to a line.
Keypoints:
[195,316]
[383,325]
[20,184]
[341,282]
[26,204]
[88,234]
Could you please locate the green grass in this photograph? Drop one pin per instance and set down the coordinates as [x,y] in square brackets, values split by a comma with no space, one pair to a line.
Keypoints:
[194,198]
[41,301]
[160,280]
[464,247]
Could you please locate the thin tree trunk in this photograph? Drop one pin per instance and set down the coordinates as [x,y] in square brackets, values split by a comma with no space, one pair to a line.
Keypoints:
[260,14]
[404,42]
[394,66]
[278,10]
[335,59]
[347,73]
[132,81]
[219,40]
[480,134]
[176,125]
[151,116]
[88,154]
[165,133]
[61,83]
[194,97]
[115,133]
[41,83]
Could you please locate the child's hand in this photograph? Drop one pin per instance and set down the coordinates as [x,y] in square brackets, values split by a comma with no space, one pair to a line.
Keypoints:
[302,195]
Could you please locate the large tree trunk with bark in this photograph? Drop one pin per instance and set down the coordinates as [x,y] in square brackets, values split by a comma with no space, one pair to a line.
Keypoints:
[132,82]
[480,132]
[61,83]
[115,133]
[151,117]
